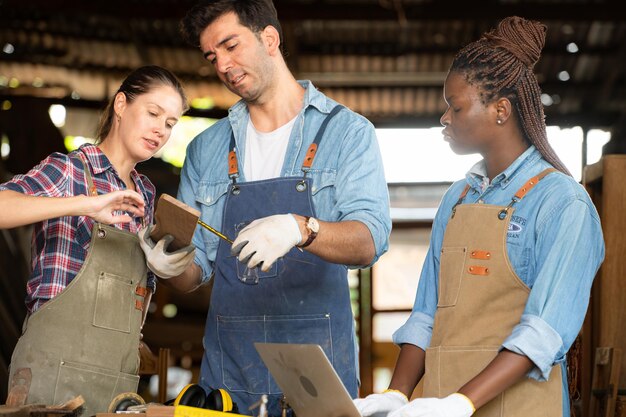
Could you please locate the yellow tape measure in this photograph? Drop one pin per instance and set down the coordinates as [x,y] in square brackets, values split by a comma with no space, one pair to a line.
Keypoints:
[187,411]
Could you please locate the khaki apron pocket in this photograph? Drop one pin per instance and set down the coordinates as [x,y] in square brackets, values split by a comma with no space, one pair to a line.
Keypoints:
[114,300]
[449,368]
[452,264]
[97,385]
[243,368]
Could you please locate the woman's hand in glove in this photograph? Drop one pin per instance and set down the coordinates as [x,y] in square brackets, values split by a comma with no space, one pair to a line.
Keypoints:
[163,263]
[379,405]
[454,405]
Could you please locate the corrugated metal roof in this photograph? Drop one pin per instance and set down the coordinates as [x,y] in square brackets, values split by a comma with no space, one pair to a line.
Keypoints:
[384,58]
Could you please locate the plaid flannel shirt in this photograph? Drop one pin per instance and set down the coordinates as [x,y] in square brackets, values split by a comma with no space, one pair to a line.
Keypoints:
[60,245]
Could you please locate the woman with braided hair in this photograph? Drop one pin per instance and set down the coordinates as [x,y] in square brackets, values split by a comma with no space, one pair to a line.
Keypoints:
[513,252]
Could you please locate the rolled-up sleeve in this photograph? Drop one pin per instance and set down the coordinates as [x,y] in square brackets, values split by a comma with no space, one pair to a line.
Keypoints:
[362,193]
[569,251]
[187,189]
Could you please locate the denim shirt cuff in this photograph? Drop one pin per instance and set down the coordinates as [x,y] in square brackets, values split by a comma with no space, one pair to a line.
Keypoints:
[417,331]
[202,261]
[151,281]
[537,340]
[378,232]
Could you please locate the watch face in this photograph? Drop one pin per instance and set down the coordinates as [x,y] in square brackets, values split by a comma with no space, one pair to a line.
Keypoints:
[313,225]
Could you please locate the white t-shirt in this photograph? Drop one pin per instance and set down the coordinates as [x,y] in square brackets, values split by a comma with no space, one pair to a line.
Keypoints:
[265,151]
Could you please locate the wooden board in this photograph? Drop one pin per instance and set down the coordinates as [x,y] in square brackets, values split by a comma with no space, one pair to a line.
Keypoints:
[175,218]
[71,408]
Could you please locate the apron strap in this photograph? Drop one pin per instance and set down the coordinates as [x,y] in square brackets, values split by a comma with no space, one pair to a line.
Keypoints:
[233,165]
[521,193]
[310,153]
[91,188]
[460,200]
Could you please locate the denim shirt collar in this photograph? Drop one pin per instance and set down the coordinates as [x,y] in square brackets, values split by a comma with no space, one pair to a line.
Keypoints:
[477,175]
[312,97]
[239,116]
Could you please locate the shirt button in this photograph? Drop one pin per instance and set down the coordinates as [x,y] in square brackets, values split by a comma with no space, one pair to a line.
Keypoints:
[208,199]
[481,201]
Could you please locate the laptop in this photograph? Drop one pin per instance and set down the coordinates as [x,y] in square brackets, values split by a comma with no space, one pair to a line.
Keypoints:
[308,380]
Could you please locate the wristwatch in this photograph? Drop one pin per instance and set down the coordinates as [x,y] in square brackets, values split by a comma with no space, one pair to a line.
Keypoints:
[313,227]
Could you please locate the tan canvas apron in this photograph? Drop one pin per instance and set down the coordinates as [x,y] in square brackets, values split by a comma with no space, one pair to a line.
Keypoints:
[85,340]
[481,299]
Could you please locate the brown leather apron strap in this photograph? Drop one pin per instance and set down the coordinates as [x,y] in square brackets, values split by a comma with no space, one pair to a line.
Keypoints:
[91,188]
[233,169]
[312,150]
[521,193]
[461,197]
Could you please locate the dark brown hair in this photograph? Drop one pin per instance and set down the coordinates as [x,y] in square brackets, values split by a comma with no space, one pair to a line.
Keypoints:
[501,64]
[140,81]
[256,15]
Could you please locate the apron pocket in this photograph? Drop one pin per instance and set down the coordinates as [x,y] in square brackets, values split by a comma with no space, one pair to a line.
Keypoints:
[114,298]
[451,268]
[242,367]
[97,385]
[253,275]
[449,368]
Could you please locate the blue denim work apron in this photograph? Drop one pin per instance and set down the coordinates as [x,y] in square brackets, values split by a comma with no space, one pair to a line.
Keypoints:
[301,299]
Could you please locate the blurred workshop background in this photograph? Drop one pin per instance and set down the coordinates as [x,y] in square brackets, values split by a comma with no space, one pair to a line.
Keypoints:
[386,59]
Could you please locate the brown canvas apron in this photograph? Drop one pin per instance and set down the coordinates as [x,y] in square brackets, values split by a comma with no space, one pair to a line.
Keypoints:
[85,340]
[481,299]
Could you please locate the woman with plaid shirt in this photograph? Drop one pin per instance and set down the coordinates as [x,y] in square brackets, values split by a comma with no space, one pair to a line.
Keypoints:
[90,286]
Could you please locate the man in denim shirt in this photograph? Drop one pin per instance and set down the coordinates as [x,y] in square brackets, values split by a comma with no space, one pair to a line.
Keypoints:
[298,182]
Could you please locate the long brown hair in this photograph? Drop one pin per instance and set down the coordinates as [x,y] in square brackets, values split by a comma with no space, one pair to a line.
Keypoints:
[501,64]
[140,81]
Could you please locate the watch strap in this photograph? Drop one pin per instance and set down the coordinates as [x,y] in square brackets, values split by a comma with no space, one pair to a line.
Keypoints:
[312,234]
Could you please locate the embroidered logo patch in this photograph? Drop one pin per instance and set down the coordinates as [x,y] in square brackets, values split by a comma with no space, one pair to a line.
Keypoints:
[516,225]
[514,228]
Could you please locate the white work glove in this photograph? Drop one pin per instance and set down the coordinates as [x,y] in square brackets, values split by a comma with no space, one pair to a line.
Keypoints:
[266,239]
[163,263]
[454,405]
[379,405]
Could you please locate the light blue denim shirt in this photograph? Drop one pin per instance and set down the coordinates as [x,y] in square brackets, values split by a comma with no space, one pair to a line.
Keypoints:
[554,244]
[348,181]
